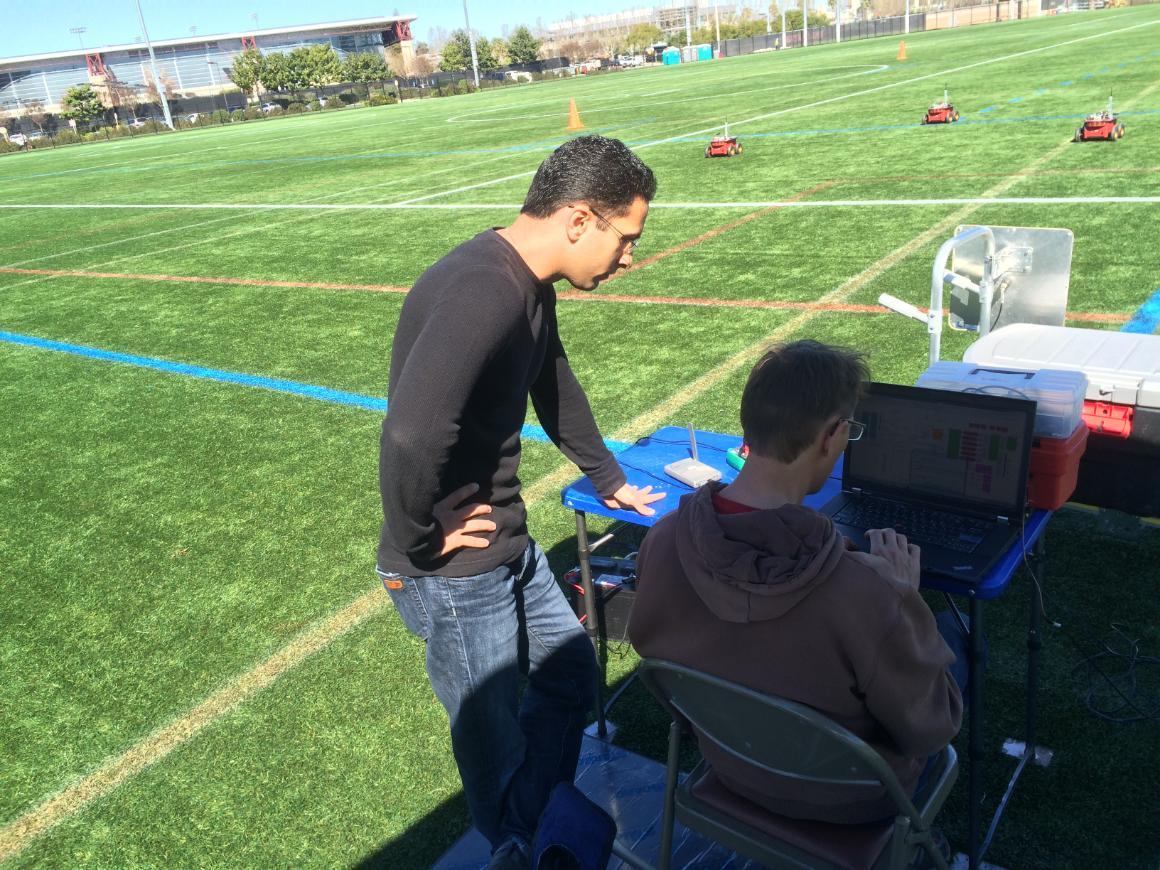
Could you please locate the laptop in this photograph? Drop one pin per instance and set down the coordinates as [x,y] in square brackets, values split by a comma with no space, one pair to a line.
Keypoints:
[946,469]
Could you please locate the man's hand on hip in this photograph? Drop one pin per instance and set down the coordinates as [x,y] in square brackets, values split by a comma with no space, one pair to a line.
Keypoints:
[630,497]
[459,521]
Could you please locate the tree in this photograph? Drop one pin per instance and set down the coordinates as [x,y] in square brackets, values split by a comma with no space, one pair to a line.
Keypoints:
[246,72]
[274,73]
[34,111]
[484,54]
[365,67]
[456,53]
[322,65]
[81,103]
[500,51]
[642,36]
[523,47]
[422,65]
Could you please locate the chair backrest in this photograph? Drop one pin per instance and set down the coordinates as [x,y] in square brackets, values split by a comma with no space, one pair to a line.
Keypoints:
[779,736]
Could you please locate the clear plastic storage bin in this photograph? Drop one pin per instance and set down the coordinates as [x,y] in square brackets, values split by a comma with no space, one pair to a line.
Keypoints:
[1058,394]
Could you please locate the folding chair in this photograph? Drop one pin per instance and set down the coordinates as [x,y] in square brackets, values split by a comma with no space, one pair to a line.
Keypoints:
[794,741]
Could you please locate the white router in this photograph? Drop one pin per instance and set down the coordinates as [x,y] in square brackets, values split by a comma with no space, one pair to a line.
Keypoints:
[692,472]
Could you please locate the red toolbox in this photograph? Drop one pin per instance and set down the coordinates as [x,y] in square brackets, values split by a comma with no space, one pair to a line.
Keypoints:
[1055,468]
[1121,465]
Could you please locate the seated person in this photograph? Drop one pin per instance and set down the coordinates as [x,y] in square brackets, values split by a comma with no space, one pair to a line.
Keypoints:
[745,583]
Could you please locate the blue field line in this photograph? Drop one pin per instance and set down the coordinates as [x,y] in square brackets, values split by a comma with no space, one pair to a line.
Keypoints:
[277,385]
[1088,76]
[540,144]
[987,109]
[1066,83]
[1023,119]
[1147,316]
[1015,100]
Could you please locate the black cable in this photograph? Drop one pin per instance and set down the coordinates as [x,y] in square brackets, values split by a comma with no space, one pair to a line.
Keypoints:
[1134,658]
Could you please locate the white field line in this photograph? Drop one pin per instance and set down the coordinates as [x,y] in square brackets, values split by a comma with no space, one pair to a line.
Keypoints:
[412,205]
[223,206]
[761,117]
[16,836]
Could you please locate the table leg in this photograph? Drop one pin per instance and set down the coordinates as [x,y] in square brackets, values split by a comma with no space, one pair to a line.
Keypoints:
[975,720]
[1034,643]
[589,594]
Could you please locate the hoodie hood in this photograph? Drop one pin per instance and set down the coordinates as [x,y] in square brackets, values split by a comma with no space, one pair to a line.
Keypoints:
[758,565]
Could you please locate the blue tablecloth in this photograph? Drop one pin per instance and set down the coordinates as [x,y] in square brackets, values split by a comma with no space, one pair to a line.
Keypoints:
[644,464]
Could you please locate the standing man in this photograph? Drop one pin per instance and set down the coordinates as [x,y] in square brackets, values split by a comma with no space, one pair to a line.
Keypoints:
[476,337]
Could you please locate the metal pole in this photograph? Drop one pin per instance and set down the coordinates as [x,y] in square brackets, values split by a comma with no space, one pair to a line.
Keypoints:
[805,23]
[717,24]
[471,42]
[688,28]
[906,25]
[783,28]
[837,20]
[153,64]
[768,23]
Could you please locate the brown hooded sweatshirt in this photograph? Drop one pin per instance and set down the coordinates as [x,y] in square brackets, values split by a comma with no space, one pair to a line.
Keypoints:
[773,600]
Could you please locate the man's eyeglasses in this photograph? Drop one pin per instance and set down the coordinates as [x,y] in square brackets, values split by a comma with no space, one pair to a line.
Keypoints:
[629,244]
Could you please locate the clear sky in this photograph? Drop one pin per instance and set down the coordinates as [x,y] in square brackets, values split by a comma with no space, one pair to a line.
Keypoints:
[42,26]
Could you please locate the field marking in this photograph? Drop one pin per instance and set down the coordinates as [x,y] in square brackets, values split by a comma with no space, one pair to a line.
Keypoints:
[766,204]
[202,279]
[776,113]
[261,382]
[17,835]
[815,104]
[564,295]
[625,102]
[713,233]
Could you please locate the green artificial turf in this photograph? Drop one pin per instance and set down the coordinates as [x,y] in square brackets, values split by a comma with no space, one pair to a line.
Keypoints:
[163,535]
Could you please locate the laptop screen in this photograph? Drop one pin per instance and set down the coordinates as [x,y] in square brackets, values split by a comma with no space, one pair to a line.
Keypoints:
[965,450]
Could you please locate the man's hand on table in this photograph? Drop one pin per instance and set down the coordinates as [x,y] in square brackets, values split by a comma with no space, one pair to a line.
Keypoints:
[630,497]
[895,549]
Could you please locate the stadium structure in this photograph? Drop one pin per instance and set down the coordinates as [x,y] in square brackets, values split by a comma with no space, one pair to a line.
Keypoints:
[193,66]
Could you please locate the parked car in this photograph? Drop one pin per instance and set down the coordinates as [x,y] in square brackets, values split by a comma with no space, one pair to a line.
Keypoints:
[34,135]
[137,123]
[269,107]
[18,139]
[193,116]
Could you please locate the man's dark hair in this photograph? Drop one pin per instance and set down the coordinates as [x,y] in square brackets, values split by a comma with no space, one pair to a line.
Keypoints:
[601,172]
[794,390]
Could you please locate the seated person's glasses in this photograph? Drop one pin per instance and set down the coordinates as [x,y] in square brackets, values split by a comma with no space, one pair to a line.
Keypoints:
[856,428]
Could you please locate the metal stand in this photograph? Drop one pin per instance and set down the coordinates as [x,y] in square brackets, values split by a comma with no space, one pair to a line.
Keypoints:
[592,621]
[1026,750]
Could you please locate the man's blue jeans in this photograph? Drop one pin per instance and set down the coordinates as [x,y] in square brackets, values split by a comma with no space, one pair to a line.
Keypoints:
[482,634]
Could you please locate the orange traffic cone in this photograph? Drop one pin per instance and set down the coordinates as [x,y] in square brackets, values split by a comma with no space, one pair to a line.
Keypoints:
[902,50]
[574,122]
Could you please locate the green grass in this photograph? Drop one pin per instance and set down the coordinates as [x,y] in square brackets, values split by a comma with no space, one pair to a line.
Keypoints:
[161,535]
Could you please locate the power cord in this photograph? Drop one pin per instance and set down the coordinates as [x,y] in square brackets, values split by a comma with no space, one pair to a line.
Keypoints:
[1148,708]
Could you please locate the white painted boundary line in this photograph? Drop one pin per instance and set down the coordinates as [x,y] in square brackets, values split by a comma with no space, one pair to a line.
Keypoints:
[761,117]
[414,205]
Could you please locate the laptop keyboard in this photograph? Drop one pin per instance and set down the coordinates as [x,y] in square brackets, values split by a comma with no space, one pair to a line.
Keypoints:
[920,525]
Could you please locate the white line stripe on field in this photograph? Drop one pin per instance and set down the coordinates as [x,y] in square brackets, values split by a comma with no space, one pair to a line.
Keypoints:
[817,103]
[411,205]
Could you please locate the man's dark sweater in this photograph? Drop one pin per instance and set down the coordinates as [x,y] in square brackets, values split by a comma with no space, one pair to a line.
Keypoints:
[476,336]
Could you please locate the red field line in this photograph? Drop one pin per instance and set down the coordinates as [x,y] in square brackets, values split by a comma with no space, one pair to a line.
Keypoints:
[569,295]
[200,279]
[716,231]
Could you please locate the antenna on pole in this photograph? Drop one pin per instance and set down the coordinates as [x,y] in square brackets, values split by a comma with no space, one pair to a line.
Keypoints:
[153,66]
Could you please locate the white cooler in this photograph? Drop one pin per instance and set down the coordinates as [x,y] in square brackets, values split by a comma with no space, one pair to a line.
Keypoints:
[1121,468]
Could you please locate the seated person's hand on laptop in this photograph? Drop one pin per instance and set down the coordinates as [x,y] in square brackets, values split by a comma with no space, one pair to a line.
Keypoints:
[902,556]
